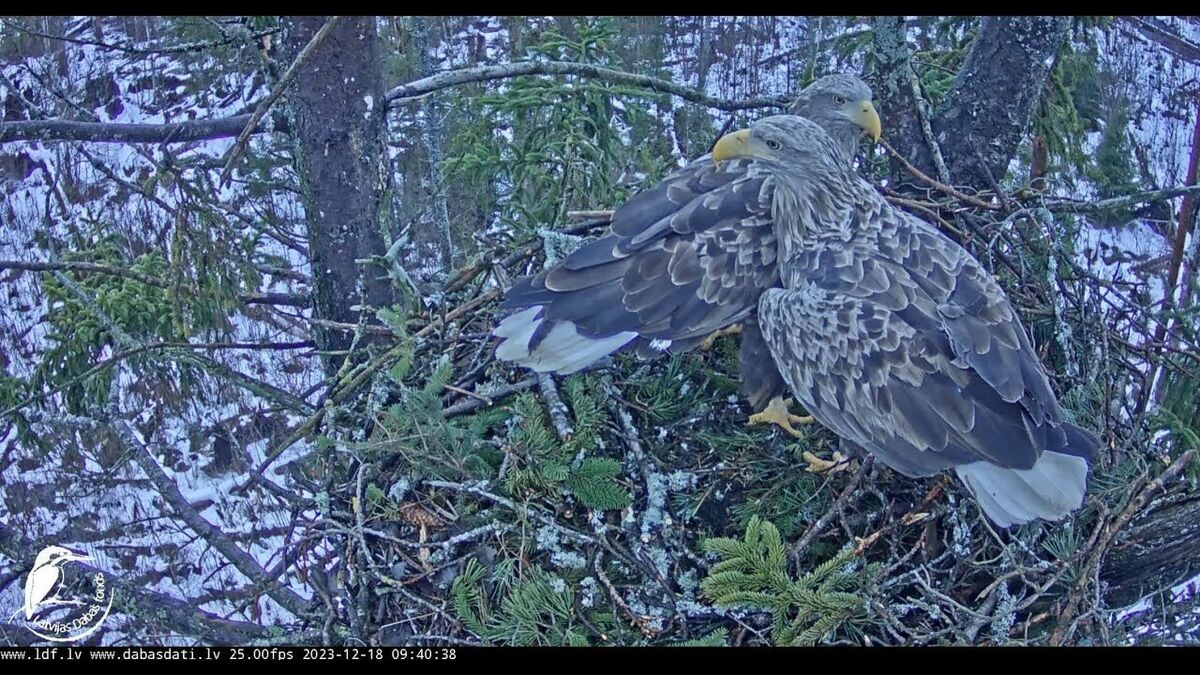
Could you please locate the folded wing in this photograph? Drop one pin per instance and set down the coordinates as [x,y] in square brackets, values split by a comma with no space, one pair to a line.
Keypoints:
[681,261]
[913,351]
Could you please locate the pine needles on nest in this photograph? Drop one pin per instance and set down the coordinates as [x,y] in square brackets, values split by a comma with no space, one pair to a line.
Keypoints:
[753,573]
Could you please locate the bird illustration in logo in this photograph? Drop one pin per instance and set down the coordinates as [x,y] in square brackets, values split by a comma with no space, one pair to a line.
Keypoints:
[45,576]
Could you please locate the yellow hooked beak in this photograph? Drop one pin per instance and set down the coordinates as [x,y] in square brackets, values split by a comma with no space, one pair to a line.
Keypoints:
[736,144]
[868,119]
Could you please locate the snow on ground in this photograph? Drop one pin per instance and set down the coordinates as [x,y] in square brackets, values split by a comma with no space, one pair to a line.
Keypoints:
[97,500]
[1160,88]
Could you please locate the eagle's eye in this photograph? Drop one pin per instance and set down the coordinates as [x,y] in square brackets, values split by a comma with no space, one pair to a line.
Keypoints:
[839,100]
[773,144]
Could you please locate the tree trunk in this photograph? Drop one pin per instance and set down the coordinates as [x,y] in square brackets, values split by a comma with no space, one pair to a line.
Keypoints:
[339,120]
[1159,549]
[988,109]
[994,95]
[892,81]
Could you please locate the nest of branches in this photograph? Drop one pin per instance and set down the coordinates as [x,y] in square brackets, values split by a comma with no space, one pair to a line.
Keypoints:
[631,505]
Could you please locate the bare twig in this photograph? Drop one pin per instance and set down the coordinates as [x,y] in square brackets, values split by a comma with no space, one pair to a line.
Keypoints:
[590,214]
[503,501]
[491,398]
[458,312]
[935,183]
[832,512]
[555,407]
[467,392]
[370,329]
[924,117]
[924,208]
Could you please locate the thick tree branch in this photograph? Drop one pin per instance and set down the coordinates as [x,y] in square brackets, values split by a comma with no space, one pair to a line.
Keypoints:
[1069,206]
[75,266]
[228,127]
[451,78]
[109,132]
[287,299]
[1162,35]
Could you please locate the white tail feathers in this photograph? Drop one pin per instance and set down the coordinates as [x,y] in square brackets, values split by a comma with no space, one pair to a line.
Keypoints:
[1053,488]
[562,351]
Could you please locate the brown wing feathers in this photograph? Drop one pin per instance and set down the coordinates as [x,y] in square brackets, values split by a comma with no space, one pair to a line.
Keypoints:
[681,261]
[903,344]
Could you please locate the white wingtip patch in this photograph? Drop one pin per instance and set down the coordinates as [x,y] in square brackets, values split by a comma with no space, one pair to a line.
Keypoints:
[516,331]
[562,351]
[1054,487]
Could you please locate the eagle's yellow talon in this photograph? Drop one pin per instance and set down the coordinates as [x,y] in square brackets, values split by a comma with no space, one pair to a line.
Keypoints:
[839,462]
[731,330]
[777,413]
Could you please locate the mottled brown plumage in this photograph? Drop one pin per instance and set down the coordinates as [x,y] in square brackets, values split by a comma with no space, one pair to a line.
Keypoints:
[681,261]
[897,339]
[889,333]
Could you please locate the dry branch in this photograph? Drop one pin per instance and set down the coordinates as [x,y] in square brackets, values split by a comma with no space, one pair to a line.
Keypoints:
[451,78]
[287,299]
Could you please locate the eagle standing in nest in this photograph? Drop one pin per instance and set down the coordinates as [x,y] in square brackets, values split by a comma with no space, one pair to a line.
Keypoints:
[683,262]
[898,340]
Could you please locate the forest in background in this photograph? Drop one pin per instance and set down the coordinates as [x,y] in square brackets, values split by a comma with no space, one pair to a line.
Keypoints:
[249,267]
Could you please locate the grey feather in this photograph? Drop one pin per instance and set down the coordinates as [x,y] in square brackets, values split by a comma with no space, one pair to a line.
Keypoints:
[681,260]
[899,341]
